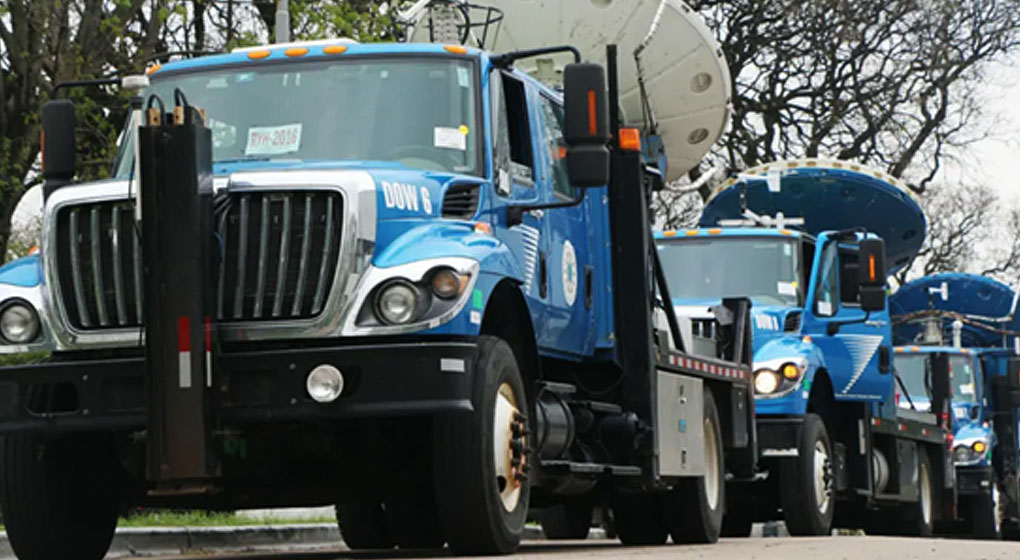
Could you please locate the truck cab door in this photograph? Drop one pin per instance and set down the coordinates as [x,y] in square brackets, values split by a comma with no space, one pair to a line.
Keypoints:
[516,182]
[570,322]
[855,345]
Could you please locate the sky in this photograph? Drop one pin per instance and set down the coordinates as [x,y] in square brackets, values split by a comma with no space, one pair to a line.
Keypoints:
[995,160]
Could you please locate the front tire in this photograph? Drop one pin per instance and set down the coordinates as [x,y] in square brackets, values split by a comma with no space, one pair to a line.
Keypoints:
[412,523]
[481,483]
[984,515]
[694,507]
[60,498]
[807,483]
[363,525]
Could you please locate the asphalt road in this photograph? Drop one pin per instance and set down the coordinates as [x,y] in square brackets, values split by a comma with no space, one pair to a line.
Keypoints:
[822,548]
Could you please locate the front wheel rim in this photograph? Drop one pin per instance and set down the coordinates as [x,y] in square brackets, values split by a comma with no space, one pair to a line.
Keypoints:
[822,471]
[712,467]
[926,507]
[996,511]
[509,448]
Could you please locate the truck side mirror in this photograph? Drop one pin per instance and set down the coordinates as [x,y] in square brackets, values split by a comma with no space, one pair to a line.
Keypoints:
[59,153]
[587,125]
[871,274]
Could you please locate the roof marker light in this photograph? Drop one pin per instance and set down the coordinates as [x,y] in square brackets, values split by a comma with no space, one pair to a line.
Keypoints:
[334,49]
[258,55]
[693,232]
[456,49]
[153,69]
[670,233]
[296,51]
[714,231]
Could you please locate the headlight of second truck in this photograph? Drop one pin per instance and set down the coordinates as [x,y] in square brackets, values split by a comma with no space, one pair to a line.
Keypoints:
[775,378]
[966,453]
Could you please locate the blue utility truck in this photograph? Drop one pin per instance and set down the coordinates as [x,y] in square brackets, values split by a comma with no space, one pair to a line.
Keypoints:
[834,447]
[389,277]
[976,315]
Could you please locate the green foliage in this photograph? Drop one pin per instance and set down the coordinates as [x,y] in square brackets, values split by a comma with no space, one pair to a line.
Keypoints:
[196,518]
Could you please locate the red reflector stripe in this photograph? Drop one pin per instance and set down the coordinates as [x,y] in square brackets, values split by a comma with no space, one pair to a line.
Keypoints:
[184,334]
[593,127]
[208,334]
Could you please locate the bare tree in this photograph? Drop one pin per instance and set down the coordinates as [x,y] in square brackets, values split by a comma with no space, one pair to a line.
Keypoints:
[889,83]
[969,230]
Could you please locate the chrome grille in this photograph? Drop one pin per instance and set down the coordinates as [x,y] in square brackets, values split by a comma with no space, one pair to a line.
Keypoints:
[279,257]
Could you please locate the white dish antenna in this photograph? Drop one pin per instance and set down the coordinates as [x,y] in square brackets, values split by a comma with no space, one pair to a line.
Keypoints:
[673,76]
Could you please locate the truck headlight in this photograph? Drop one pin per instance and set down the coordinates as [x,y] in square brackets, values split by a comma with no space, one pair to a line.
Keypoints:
[19,323]
[766,381]
[778,377]
[963,454]
[397,303]
[446,283]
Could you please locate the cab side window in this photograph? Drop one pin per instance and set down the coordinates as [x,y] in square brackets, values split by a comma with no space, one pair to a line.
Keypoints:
[556,146]
[849,292]
[827,297]
[518,128]
[500,136]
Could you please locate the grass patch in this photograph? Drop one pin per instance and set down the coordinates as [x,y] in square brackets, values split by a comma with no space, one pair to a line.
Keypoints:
[207,519]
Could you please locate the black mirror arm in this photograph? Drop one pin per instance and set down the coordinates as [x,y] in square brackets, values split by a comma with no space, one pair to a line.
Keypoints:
[834,326]
[515,212]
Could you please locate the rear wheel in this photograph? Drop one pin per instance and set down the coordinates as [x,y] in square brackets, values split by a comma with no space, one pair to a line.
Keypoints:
[60,498]
[694,508]
[638,519]
[806,482]
[737,524]
[363,525]
[920,518]
[566,521]
[481,483]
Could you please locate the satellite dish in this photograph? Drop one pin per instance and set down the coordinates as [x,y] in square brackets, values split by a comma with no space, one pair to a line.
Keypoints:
[674,82]
[828,195]
[984,300]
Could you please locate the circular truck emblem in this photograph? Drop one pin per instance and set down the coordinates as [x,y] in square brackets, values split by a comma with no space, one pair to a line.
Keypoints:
[569,273]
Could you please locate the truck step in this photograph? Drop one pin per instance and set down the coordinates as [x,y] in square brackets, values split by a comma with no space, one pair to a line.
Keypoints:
[564,389]
[589,469]
[597,407]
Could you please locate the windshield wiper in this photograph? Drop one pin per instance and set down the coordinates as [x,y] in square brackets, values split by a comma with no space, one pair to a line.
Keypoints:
[243,159]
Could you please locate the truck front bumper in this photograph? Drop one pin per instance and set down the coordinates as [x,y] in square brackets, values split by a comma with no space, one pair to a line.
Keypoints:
[971,481]
[381,380]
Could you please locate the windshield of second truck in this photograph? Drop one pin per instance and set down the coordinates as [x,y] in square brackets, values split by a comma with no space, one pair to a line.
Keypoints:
[964,388]
[420,112]
[765,270]
[911,369]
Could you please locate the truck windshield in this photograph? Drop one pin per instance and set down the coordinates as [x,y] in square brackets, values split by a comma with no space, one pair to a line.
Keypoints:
[964,388]
[762,269]
[420,112]
[911,368]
